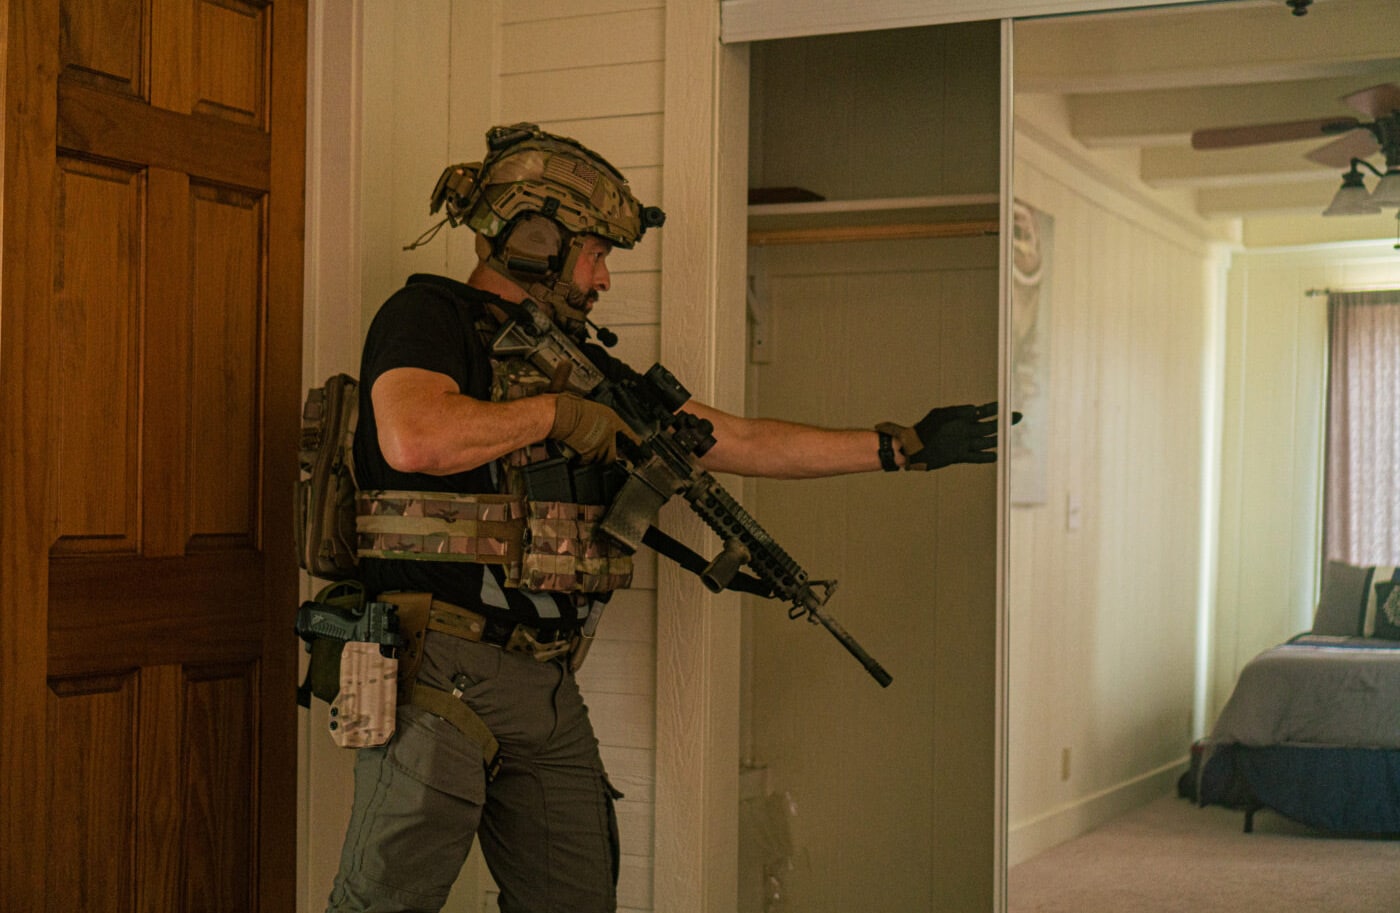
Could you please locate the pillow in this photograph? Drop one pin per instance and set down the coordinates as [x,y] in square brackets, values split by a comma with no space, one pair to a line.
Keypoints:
[1372,619]
[1388,610]
[1341,609]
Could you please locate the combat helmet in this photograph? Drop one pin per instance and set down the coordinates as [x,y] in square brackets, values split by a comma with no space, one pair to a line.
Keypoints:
[535,196]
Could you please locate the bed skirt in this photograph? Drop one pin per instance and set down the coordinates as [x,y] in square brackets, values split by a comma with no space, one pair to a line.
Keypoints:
[1345,791]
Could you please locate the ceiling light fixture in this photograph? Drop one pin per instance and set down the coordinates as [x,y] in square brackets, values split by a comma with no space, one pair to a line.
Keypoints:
[1387,192]
[1352,198]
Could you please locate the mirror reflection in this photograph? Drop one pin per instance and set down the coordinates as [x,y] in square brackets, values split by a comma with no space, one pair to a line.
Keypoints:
[1202,405]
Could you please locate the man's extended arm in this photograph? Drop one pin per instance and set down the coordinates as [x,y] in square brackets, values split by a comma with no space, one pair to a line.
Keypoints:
[775,449]
[787,450]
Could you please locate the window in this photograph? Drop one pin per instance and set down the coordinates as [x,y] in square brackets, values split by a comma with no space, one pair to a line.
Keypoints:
[1362,494]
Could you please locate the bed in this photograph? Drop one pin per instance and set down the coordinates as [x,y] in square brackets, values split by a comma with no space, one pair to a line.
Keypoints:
[1312,727]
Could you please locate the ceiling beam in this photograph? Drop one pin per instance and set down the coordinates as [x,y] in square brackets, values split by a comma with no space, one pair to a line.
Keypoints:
[1303,197]
[1170,166]
[1158,117]
[1177,47]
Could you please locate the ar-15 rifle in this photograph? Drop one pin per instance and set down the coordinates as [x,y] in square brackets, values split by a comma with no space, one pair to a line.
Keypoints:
[664,463]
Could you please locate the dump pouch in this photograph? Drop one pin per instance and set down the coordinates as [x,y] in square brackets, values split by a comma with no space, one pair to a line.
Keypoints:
[325,498]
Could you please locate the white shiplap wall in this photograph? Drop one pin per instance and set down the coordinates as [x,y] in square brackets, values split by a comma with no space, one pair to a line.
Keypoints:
[426,80]
[595,72]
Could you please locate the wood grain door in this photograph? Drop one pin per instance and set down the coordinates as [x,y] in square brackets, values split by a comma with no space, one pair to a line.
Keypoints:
[150,340]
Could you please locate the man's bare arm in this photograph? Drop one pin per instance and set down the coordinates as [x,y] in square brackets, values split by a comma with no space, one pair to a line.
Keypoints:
[777,449]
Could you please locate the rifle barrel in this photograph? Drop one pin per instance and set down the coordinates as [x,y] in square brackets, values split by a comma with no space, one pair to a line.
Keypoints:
[876,670]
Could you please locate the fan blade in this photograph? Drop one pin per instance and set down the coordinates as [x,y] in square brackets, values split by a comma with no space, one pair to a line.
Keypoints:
[1377,101]
[1339,153]
[1228,137]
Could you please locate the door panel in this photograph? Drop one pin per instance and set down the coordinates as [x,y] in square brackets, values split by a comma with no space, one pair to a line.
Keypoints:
[90,728]
[227,301]
[98,217]
[150,295]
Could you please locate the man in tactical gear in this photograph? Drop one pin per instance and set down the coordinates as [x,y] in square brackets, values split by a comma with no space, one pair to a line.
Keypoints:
[492,737]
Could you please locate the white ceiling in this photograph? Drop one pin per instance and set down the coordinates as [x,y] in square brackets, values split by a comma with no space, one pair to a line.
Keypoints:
[1134,85]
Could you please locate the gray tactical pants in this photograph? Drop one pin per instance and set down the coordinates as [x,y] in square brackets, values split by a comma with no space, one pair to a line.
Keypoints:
[547,826]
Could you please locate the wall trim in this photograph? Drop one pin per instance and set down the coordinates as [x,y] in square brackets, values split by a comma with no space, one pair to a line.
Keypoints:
[331,338]
[754,20]
[1047,830]
[703,340]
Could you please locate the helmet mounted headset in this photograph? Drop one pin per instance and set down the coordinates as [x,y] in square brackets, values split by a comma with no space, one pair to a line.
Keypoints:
[535,197]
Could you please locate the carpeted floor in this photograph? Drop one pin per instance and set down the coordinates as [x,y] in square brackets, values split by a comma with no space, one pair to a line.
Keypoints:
[1171,857]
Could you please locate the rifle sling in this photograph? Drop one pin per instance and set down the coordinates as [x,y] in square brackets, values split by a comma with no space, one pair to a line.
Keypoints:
[692,561]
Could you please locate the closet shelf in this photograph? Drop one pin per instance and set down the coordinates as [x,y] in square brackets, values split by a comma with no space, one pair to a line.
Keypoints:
[897,218]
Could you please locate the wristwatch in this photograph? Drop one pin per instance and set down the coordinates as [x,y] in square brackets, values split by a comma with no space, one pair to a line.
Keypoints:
[887,462]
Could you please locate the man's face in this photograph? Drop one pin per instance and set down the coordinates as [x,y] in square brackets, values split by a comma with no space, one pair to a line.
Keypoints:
[591,274]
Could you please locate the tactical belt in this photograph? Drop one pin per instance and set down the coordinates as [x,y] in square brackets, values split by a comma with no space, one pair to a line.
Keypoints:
[468,625]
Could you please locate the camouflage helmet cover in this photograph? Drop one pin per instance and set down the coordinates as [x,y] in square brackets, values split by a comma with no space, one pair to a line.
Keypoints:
[529,171]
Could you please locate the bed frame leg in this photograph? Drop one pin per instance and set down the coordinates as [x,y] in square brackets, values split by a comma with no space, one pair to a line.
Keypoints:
[1249,820]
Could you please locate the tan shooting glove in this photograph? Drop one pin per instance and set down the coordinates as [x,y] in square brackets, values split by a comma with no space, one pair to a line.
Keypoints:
[590,429]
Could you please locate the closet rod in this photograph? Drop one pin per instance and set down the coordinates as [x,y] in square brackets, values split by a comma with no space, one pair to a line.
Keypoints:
[894,232]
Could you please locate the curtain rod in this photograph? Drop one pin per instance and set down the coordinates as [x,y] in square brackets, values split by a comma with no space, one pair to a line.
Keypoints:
[1389,287]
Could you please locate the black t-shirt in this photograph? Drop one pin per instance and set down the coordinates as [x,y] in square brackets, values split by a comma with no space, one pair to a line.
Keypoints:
[431,324]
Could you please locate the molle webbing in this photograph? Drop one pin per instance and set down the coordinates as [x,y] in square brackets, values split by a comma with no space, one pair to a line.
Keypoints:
[545,546]
[439,526]
[564,552]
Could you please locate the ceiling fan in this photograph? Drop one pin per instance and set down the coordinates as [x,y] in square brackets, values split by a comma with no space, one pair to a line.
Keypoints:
[1356,141]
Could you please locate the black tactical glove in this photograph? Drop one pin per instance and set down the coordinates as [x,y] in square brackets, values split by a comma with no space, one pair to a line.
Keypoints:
[590,428]
[951,434]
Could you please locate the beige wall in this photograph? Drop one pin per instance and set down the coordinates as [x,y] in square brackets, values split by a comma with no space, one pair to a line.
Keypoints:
[1105,606]
[891,787]
[891,790]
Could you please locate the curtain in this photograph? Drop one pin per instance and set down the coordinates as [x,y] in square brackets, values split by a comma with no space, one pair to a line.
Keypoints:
[1362,493]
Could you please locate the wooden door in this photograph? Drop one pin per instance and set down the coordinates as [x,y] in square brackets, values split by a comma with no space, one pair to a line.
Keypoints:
[150,340]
